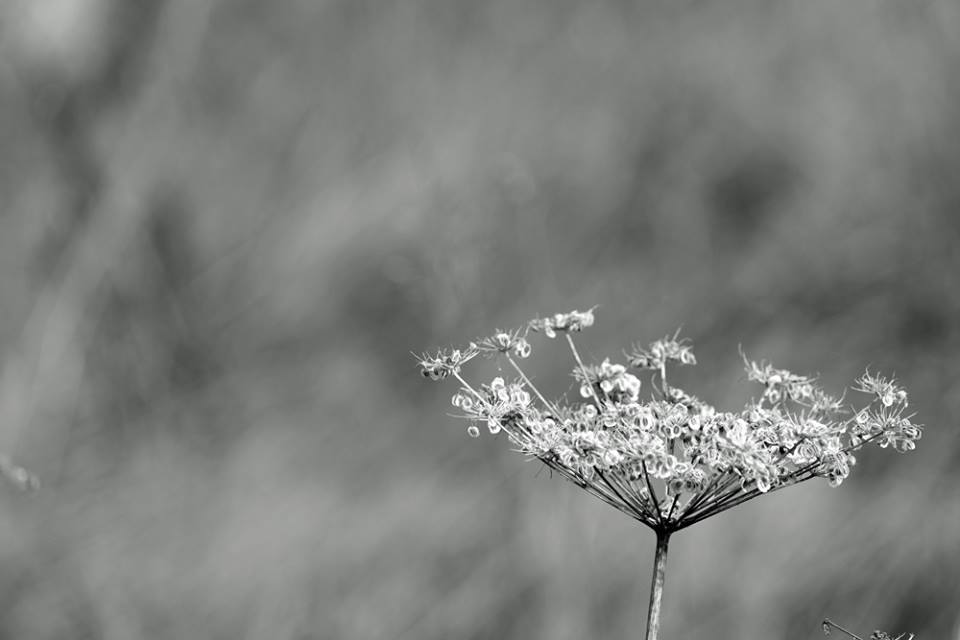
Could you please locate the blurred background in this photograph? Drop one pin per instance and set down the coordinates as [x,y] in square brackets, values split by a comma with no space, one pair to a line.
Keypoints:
[224,225]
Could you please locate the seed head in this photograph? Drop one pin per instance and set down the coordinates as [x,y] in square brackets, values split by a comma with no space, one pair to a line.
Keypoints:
[673,460]
[446,362]
[571,322]
[659,353]
[506,342]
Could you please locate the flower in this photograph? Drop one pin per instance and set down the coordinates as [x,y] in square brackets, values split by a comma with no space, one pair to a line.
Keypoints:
[610,381]
[498,404]
[446,362]
[673,460]
[573,321]
[506,342]
[886,391]
[659,353]
[781,384]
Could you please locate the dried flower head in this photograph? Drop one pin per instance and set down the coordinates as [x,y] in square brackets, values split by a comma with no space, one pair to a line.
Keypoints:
[573,321]
[672,460]
[506,342]
[661,352]
[446,362]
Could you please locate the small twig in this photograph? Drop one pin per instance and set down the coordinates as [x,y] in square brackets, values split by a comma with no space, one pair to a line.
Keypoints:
[523,376]
[827,623]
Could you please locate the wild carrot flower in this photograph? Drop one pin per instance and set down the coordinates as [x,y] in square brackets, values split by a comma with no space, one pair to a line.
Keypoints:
[672,460]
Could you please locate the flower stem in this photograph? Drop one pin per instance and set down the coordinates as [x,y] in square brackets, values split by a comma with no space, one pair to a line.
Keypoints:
[583,370]
[827,623]
[523,376]
[656,585]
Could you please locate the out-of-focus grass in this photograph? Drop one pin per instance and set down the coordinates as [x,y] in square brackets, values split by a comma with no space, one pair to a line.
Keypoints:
[220,240]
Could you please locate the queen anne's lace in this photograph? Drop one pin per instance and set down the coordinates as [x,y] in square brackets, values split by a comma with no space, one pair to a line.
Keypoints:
[673,460]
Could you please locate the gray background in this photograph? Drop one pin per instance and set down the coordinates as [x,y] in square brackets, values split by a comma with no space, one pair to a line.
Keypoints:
[225,224]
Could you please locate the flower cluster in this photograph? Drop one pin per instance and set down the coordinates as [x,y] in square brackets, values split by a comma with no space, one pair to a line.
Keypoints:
[563,323]
[887,391]
[672,460]
[505,342]
[610,381]
[780,383]
[661,352]
[497,404]
[446,362]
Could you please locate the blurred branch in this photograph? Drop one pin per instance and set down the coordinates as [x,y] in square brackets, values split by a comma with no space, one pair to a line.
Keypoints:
[43,379]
